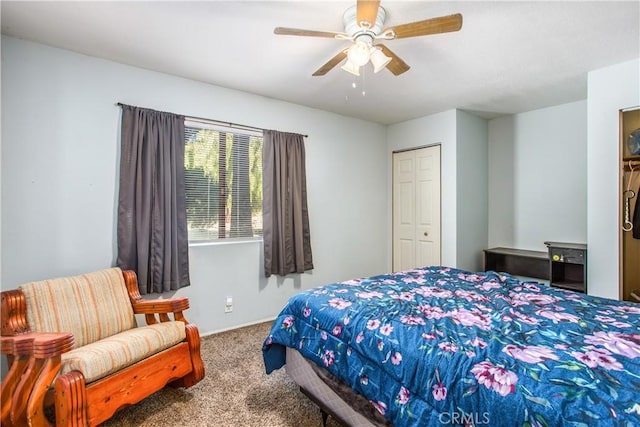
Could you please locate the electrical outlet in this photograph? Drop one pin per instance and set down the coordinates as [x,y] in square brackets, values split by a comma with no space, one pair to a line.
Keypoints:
[228,306]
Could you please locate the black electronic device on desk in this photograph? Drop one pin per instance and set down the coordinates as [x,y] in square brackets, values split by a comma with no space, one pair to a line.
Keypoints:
[568,266]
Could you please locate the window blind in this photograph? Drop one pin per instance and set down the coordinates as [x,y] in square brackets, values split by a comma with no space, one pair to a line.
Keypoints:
[223,182]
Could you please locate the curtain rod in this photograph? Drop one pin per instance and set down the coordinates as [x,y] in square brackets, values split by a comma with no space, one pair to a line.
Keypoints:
[218,122]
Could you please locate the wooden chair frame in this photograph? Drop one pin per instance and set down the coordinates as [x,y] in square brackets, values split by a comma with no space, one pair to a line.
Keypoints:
[34,360]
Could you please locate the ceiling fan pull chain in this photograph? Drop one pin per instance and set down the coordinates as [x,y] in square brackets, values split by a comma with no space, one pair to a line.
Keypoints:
[364,73]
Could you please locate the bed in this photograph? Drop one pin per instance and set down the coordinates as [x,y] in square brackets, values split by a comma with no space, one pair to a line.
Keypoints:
[438,345]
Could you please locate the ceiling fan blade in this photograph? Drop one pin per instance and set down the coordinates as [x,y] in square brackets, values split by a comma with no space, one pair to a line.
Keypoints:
[310,33]
[443,24]
[367,12]
[331,63]
[397,66]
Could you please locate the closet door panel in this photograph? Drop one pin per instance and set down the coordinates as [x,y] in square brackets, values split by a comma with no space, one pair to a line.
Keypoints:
[404,223]
[416,208]
[428,205]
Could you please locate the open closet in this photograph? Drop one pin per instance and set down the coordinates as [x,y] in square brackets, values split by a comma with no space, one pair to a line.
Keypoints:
[630,204]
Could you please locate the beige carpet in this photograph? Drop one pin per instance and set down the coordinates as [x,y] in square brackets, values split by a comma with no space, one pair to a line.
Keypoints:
[235,391]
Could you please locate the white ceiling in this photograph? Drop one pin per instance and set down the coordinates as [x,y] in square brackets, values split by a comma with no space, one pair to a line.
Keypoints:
[509,57]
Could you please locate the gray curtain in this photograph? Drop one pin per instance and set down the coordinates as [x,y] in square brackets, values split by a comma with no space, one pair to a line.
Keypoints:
[152,219]
[287,240]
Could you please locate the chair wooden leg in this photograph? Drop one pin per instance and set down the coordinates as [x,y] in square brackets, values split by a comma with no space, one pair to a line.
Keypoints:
[35,408]
[47,349]
[193,340]
[15,393]
[9,385]
[23,392]
[71,400]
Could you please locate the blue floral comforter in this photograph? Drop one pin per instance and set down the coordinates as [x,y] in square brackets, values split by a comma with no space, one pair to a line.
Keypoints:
[441,346]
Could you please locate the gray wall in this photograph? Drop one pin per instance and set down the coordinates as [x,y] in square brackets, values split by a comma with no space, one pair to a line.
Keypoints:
[434,129]
[472,190]
[538,177]
[59,166]
[463,140]
[60,156]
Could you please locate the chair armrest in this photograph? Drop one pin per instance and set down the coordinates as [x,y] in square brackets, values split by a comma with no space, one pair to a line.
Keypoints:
[152,307]
[51,344]
[173,305]
[41,345]
[35,361]
[17,345]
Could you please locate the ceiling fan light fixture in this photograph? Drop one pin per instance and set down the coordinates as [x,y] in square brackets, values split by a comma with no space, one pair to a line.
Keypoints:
[379,59]
[358,53]
[350,67]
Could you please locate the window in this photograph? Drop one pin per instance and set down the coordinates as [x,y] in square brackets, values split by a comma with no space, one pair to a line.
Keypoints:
[223,182]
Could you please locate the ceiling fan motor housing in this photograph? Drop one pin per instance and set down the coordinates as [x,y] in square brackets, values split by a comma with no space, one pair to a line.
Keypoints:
[354,30]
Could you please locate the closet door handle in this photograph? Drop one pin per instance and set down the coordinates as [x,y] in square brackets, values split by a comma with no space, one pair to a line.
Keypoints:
[426,234]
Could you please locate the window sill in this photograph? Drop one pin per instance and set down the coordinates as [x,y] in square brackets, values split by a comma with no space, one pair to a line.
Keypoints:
[226,242]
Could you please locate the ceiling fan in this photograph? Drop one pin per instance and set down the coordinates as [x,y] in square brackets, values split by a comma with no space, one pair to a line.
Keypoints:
[364,26]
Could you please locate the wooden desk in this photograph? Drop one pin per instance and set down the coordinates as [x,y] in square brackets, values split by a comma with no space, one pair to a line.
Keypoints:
[518,262]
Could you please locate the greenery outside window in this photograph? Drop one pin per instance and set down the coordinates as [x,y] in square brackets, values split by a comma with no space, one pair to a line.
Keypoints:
[223,182]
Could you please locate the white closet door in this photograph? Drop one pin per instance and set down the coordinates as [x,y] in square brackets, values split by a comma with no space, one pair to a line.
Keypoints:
[416,208]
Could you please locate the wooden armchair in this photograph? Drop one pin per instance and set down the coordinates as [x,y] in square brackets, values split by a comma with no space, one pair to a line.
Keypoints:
[72,345]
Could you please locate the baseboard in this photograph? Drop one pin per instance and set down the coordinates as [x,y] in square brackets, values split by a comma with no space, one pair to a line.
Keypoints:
[231,328]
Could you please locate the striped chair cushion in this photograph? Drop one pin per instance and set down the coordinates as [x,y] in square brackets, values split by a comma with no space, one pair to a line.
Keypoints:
[92,306]
[109,355]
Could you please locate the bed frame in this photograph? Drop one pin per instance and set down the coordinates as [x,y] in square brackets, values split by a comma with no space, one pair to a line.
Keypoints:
[303,373]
